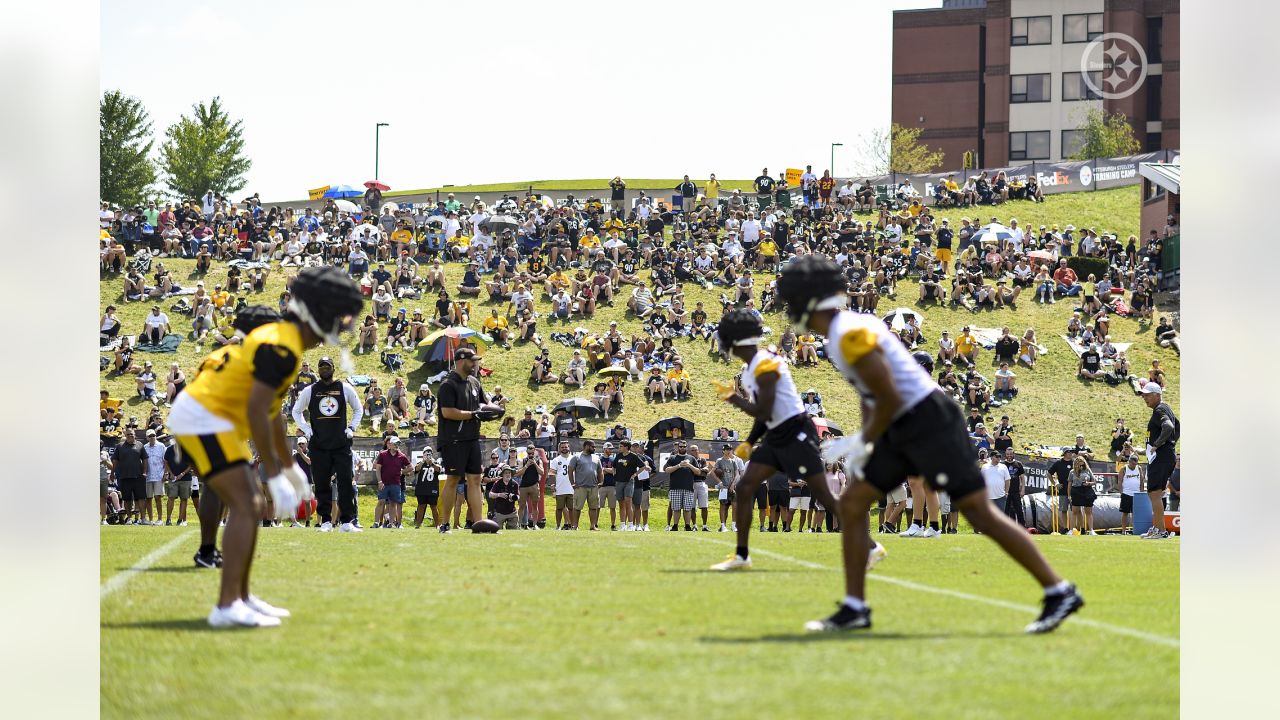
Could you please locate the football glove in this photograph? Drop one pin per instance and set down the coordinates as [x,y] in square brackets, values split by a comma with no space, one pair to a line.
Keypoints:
[743,450]
[284,499]
[489,411]
[350,433]
[298,479]
[851,450]
[723,389]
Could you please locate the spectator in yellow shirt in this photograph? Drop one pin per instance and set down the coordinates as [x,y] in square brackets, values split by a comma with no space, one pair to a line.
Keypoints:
[767,253]
[967,347]
[219,296]
[401,238]
[496,327]
[556,281]
[678,381]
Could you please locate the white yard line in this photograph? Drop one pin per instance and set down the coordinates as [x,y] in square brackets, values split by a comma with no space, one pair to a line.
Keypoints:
[122,578]
[920,587]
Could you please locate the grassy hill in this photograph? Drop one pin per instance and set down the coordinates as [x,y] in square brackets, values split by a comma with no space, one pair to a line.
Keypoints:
[1052,406]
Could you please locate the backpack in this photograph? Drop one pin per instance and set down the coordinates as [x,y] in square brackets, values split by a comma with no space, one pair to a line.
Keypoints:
[392,361]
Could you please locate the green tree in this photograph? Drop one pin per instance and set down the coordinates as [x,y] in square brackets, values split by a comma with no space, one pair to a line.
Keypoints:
[896,149]
[125,172]
[1106,136]
[205,151]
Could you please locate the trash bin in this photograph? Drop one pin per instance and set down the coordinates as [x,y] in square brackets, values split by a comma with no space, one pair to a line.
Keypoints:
[1141,513]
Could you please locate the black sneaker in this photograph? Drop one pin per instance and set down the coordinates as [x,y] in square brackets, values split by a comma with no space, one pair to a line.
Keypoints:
[444,528]
[1056,609]
[844,618]
[688,529]
[211,561]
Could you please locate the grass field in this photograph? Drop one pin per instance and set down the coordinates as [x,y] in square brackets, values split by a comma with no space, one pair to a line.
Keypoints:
[1052,406]
[612,625]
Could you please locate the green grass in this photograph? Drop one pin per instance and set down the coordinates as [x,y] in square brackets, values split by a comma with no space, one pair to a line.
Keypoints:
[599,185]
[1051,407]
[553,624]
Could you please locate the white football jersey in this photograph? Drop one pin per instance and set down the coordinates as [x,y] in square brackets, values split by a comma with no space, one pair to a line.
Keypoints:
[852,335]
[786,399]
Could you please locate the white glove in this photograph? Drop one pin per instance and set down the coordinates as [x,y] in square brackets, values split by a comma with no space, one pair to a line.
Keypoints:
[350,433]
[283,497]
[298,479]
[1151,452]
[852,450]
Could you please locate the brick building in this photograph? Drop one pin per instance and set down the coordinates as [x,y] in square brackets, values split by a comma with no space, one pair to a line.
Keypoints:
[1003,78]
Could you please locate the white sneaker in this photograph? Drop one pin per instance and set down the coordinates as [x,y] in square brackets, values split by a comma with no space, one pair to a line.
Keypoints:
[326,527]
[930,533]
[294,524]
[348,527]
[262,607]
[644,528]
[238,614]
[733,527]
[877,554]
[182,523]
[733,562]
[723,528]
[913,531]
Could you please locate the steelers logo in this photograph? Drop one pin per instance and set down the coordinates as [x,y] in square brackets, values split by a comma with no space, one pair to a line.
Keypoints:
[328,406]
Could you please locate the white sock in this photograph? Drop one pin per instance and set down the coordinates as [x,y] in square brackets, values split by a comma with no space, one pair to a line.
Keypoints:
[1058,589]
[854,603]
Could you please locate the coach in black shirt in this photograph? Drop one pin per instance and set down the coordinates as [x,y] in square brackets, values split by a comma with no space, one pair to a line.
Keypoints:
[129,474]
[1060,470]
[458,439]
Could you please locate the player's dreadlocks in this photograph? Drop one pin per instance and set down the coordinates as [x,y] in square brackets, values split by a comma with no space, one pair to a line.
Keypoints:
[810,283]
[739,327]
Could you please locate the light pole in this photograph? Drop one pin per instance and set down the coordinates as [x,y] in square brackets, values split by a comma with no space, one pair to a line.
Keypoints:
[377,130]
[833,157]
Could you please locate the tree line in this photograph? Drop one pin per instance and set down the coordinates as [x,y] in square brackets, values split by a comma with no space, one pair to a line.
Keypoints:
[202,151]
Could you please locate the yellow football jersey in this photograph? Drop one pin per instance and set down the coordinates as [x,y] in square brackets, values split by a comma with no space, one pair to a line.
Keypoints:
[272,353]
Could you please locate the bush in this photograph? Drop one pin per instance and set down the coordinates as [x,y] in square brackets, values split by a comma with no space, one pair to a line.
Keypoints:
[1086,266]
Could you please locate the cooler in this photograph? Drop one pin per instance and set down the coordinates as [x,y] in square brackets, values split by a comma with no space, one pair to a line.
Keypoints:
[1141,513]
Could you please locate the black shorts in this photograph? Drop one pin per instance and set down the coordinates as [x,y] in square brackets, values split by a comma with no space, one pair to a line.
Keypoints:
[929,441]
[792,448]
[1126,503]
[133,489]
[461,457]
[1158,473]
[779,498]
[1083,496]
[762,496]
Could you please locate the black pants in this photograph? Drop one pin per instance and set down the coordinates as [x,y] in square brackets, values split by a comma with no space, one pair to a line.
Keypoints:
[327,467]
[1013,508]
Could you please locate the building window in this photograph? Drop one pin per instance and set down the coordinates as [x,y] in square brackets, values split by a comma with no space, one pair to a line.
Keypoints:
[1155,83]
[1029,88]
[1155,38]
[1153,142]
[1081,28]
[1031,30]
[1151,191]
[1075,88]
[1072,141]
[1029,145]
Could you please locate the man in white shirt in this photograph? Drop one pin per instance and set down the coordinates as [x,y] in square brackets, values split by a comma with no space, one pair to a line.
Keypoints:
[559,466]
[106,216]
[809,185]
[154,327]
[731,248]
[1016,237]
[996,476]
[207,205]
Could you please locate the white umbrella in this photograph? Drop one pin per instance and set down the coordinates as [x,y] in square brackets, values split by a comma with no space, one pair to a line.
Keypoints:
[394,207]
[992,233]
[346,206]
[897,319]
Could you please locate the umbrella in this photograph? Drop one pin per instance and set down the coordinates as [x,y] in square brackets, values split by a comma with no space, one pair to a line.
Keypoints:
[614,371]
[440,344]
[346,206]
[500,223]
[825,426]
[1042,255]
[897,319]
[435,220]
[578,407]
[992,233]
[343,191]
[670,428]
[374,184]
[394,207]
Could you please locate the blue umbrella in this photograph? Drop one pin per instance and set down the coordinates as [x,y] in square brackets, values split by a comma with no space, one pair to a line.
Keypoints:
[991,233]
[343,191]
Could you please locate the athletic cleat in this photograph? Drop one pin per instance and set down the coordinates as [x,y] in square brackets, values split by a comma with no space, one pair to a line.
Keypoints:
[913,531]
[845,618]
[733,562]
[1056,609]
[877,554]
[706,529]
[261,607]
[350,527]
[930,533]
[723,528]
[239,614]
[644,528]
[326,526]
[1156,535]
[212,561]
[444,529]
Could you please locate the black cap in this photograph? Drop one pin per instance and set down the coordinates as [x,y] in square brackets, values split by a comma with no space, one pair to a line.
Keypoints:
[726,446]
[326,360]
[465,353]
